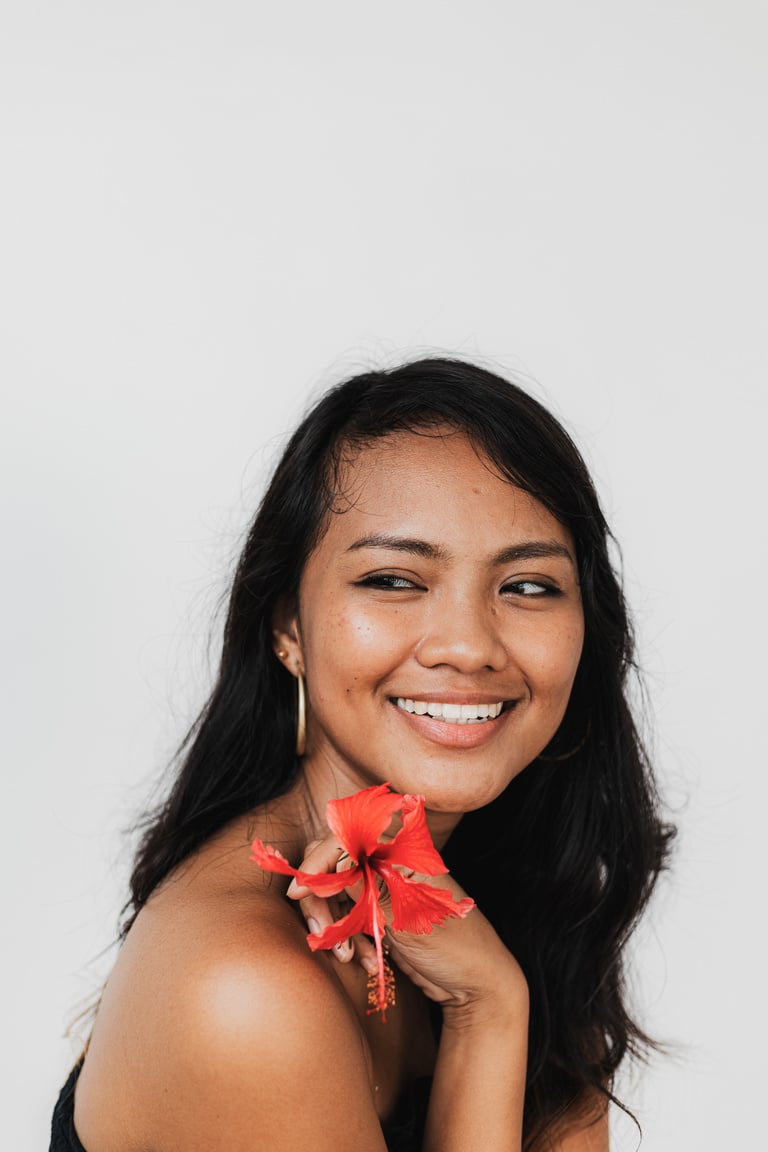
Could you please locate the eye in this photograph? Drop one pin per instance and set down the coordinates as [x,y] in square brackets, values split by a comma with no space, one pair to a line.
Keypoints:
[531,588]
[386,580]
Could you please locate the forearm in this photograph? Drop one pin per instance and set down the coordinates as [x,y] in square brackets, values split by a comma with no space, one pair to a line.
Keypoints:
[476,1104]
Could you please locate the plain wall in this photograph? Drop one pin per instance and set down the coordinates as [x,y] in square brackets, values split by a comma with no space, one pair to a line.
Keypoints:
[211,210]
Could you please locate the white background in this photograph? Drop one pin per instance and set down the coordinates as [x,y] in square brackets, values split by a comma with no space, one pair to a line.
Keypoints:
[211,210]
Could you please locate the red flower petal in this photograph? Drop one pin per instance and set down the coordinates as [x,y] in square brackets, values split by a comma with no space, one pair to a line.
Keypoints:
[321,883]
[417,907]
[412,847]
[359,820]
[270,858]
[357,920]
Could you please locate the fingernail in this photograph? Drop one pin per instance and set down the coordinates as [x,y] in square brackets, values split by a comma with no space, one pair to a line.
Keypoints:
[371,964]
[313,925]
[342,947]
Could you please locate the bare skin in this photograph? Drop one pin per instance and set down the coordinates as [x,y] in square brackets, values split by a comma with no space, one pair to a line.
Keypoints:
[218,1028]
[216,977]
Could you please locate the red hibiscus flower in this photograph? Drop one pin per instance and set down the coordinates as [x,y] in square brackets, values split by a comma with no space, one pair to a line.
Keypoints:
[358,821]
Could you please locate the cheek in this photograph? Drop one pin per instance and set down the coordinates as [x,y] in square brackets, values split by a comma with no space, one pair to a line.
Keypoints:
[552,659]
[355,641]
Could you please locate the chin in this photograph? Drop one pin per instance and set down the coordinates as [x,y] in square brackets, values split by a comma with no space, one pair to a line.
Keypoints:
[458,799]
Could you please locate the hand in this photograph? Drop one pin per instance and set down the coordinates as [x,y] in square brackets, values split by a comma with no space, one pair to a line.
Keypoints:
[461,964]
[326,855]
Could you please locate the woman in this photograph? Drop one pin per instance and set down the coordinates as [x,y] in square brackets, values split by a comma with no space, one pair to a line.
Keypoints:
[430,568]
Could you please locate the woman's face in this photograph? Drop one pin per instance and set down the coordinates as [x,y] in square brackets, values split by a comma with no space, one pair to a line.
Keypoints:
[439,627]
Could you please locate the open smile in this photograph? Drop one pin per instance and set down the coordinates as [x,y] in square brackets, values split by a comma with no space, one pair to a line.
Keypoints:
[451,713]
[454,724]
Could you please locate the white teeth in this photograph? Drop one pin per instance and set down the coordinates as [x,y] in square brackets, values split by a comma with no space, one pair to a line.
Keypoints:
[451,713]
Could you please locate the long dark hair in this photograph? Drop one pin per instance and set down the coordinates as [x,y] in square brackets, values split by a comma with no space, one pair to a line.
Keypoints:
[563,862]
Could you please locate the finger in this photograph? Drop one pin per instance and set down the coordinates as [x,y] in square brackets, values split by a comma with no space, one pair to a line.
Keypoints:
[325,910]
[319,856]
[324,855]
[365,953]
[319,915]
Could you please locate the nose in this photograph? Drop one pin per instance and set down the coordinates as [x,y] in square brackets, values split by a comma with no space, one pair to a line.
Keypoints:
[464,635]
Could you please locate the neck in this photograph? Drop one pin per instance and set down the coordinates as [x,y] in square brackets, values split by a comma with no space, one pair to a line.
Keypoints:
[299,815]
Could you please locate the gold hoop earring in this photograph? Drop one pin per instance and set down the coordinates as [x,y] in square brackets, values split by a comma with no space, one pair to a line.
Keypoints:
[301,716]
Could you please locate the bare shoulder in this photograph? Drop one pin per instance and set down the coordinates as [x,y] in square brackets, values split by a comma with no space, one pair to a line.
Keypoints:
[230,1034]
[270,1055]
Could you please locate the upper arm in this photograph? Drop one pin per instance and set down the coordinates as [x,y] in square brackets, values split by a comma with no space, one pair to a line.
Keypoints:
[270,1056]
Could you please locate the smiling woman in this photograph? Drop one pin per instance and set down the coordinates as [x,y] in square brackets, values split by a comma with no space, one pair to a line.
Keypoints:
[425,604]
[442,584]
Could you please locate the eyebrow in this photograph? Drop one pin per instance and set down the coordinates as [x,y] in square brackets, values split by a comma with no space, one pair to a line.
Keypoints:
[528,550]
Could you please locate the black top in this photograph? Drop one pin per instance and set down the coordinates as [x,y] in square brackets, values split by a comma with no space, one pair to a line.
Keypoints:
[403,1133]
[63,1135]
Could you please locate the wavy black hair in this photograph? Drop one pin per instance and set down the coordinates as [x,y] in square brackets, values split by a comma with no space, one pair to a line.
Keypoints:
[564,860]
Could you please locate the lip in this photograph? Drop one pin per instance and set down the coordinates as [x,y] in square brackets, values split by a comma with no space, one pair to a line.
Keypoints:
[456,735]
[453,697]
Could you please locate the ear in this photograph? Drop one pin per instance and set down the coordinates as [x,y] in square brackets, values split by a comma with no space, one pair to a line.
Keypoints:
[286,637]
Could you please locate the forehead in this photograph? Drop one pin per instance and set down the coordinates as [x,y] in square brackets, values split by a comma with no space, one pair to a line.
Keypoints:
[435,485]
